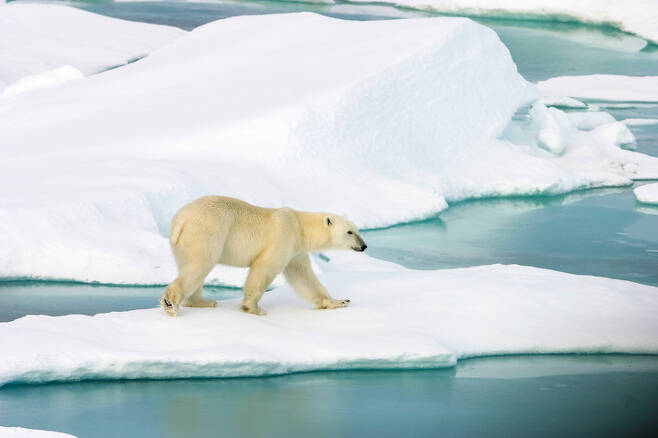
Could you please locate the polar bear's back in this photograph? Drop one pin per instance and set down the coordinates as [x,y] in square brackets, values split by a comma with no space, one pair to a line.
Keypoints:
[233,229]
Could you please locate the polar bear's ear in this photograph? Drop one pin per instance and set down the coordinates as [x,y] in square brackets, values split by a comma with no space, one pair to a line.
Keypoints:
[328,221]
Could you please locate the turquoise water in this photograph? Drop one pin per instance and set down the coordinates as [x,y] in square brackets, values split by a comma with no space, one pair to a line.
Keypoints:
[598,232]
[547,396]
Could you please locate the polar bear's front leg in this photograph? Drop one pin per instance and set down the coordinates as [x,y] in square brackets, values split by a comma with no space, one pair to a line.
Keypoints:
[301,277]
[197,300]
[261,275]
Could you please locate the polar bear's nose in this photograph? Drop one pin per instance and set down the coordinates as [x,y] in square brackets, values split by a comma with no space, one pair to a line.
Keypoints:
[363,247]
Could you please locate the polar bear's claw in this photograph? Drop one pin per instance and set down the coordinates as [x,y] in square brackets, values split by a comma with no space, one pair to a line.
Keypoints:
[168,307]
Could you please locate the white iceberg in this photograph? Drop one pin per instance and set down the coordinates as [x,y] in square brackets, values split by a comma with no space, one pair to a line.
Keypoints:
[647,194]
[398,318]
[603,87]
[45,38]
[638,17]
[386,121]
[21,432]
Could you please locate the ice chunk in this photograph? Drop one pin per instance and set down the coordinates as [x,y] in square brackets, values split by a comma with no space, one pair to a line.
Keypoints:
[616,133]
[603,87]
[21,432]
[383,120]
[397,319]
[41,38]
[634,16]
[647,194]
[552,123]
[588,120]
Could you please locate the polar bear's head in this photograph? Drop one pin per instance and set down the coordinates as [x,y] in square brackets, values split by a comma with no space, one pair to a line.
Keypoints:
[343,234]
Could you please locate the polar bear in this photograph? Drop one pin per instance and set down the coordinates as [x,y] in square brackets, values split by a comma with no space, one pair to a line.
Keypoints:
[219,230]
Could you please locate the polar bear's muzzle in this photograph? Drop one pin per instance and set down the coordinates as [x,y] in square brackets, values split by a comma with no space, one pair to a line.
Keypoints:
[360,245]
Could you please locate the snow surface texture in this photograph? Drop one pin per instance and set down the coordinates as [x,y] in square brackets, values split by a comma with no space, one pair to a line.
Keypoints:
[603,87]
[21,432]
[398,318]
[47,38]
[383,120]
[634,16]
[647,194]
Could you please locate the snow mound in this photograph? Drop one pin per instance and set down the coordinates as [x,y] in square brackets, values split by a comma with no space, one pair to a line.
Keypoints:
[21,432]
[41,38]
[385,121]
[397,319]
[50,78]
[603,87]
[638,17]
[647,194]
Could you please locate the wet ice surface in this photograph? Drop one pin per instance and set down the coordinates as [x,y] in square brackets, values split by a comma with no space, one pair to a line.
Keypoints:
[511,396]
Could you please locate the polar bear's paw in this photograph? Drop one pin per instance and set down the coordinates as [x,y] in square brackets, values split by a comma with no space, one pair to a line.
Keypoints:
[333,304]
[253,309]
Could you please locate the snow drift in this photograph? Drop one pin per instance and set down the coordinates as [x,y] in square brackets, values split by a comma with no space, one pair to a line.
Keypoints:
[386,121]
[398,318]
[46,38]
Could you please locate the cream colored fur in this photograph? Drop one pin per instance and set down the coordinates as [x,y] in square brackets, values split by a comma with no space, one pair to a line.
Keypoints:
[218,230]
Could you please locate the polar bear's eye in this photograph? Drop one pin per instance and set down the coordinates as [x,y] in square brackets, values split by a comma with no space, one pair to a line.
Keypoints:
[349,232]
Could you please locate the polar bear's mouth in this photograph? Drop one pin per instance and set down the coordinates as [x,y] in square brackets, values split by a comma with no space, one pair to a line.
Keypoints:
[360,248]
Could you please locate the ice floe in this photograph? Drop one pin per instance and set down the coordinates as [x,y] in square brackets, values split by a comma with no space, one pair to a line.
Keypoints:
[21,432]
[397,319]
[638,17]
[45,45]
[647,194]
[386,121]
[603,87]
[639,122]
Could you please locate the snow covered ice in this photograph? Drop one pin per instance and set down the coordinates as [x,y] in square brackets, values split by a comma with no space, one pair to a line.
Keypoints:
[398,318]
[46,45]
[386,121]
[603,87]
[21,432]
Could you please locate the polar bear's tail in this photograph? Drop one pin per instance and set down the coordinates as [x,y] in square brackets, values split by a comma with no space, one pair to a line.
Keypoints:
[176,230]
